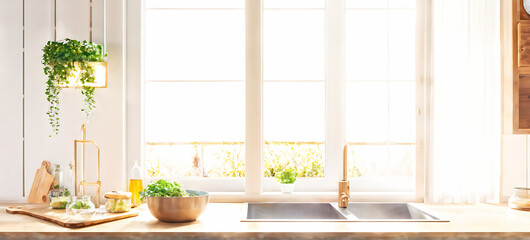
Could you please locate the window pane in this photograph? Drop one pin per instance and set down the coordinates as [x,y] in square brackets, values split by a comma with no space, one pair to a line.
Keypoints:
[366,3]
[293,111]
[381,161]
[195,160]
[402,36]
[194,4]
[195,44]
[402,3]
[294,122]
[366,112]
[293,45]
[195,129]
[366,57]
[402,112]
[380,3]
[294,4]
[194,111]
[402,161]
[368,161]
[380,91]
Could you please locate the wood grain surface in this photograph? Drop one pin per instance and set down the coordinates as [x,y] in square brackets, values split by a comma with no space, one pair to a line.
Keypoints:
[222,221]
[41,184]
[59,216]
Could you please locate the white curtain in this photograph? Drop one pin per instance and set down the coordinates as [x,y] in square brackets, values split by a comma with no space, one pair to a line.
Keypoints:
[464,161]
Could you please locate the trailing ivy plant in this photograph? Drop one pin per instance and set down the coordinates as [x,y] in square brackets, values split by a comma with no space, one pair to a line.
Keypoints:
[60,60]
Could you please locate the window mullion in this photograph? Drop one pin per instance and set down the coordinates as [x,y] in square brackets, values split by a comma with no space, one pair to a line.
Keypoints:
[253,92]
[423,76]
[335,89]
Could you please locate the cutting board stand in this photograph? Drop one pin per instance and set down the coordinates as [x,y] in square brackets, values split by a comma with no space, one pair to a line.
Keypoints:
[59,216]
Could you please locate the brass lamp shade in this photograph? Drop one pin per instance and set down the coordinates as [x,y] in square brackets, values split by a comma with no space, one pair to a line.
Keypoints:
[100,75]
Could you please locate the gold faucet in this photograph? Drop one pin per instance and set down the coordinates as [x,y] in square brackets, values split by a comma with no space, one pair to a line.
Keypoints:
[344,184]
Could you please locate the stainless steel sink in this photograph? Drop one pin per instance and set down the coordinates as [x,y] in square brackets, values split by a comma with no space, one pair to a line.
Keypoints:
[390,212]
[291,212]
[325,212]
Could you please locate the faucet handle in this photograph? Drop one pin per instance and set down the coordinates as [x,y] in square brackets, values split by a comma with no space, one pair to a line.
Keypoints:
[344,193]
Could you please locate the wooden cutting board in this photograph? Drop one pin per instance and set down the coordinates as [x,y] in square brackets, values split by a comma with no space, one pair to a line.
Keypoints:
[41,184]
[59,216]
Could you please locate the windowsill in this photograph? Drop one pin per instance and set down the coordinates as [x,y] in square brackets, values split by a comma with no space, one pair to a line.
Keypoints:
[226,197]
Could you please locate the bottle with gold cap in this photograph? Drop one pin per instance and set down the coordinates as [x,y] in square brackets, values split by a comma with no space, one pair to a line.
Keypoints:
[135,185]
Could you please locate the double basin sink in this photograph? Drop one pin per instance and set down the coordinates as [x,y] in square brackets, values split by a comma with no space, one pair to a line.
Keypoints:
[330,212]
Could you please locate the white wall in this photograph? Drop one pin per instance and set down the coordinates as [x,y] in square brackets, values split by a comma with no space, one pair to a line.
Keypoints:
[106,126]
[11,150]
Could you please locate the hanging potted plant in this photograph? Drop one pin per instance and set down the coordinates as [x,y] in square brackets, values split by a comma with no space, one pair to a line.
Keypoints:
[286,178]
[71,63]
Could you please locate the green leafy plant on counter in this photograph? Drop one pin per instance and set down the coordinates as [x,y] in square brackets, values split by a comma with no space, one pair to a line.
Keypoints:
[287,176]
[60,61]
[163,188]
[80,205]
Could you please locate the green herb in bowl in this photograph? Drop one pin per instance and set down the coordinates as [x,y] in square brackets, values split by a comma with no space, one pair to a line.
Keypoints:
[163,188]
[170,202]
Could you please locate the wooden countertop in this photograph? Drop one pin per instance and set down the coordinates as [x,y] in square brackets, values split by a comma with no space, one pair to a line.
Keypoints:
[222,220]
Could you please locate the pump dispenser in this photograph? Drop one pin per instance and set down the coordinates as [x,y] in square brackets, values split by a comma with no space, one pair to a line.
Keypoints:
[135,184]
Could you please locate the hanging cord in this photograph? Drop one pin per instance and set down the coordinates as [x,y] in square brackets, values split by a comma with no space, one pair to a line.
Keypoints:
[55,20]
[90,39]
[104,25]
[23,98]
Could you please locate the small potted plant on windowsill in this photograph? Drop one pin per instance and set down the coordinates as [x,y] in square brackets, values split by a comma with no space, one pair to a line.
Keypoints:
[286,178]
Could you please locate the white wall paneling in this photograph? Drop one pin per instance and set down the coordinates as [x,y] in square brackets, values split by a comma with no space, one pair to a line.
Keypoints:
[11,84]
[106,125]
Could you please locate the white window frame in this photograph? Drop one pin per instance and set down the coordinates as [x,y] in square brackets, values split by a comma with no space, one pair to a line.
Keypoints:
[254,181]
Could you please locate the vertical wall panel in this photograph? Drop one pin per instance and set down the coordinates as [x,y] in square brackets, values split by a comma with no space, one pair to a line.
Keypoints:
[109,123]
[11,100]
[38,30]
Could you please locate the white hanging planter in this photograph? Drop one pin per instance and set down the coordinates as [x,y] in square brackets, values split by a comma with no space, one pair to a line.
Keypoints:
[100,75]
[287,188]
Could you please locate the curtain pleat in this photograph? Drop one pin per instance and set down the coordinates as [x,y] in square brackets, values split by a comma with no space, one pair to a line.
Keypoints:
[464,166]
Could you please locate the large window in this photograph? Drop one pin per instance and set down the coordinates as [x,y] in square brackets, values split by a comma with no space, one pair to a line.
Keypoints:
[194,89]
[380,91]
[333,72]
[294,87]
